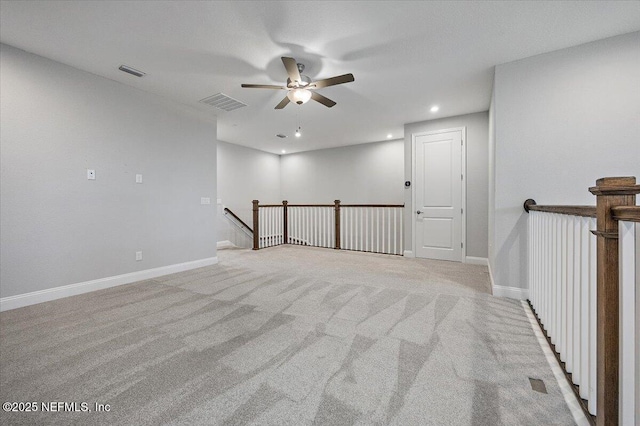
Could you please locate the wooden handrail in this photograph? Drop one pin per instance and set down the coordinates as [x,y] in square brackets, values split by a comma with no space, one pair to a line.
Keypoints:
[627,213]
[226,209]
[310,205]
[373,205]
[331,205]
[584,211]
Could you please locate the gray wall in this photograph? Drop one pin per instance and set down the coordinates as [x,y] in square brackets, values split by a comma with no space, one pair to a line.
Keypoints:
[368,173]
[59,228]
[562,120]
[476,173]
[246,174]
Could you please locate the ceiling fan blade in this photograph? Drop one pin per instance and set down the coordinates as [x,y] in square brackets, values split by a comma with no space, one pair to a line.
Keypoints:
[283,103]
[322,99]
[345,78]
[262,86]
[292,68]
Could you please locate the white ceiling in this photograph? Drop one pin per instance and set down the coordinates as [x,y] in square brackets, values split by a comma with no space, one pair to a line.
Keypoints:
[405,56]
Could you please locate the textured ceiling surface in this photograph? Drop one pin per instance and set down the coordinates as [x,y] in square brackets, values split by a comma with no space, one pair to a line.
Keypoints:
[405,56]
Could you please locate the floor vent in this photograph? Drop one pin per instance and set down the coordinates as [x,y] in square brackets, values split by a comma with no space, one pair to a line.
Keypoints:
[223,102]
[538,385]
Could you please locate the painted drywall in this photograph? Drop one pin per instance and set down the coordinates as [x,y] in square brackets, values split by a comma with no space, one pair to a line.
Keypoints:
[369,174]
[562,120]
[58,228]
[245,174]
[476,172]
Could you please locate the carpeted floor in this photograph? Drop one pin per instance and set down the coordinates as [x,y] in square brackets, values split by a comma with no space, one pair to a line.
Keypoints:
[284,336]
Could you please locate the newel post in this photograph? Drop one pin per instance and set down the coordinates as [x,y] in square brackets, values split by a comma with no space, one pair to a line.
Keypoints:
[285,215]
[256,229]
[337,222]
[609,192]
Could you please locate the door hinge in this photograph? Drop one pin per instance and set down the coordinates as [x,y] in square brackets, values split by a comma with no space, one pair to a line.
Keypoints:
[461,211]
[461,245]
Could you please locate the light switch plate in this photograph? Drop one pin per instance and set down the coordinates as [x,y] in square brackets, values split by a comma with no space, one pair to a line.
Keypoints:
[138,255]
[205,200]
[138,178]
[91,174]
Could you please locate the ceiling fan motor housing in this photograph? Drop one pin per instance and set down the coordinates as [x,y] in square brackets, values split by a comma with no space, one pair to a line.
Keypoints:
[304,81]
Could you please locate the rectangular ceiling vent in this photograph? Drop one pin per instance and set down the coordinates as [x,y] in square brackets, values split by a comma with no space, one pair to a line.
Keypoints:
[223,102]
[131,71]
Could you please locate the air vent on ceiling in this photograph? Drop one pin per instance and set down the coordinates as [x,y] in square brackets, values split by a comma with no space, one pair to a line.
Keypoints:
[131,71]
[223,102]
[281,136]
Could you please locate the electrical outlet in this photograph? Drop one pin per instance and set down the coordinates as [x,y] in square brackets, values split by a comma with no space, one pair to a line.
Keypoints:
[138,178]
[91,174]
[138,255]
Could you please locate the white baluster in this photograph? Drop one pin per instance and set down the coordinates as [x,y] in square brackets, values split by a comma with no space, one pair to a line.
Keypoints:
[351,228]
[554,297]
[584,308]
[569,294]
[562,341]
[401,214]
[272,224]
[395,232]
[315,227]
[389,230]
[593,318]
[378,230]
[343,225]
[575,289]
[628,253]
[309,221]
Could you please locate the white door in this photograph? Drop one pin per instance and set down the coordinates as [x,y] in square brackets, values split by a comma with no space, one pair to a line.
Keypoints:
[438,192]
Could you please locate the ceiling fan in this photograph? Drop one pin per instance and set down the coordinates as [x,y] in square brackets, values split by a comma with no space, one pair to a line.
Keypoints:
[300,87]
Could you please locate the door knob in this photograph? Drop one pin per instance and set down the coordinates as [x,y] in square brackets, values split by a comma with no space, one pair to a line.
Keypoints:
[418,212]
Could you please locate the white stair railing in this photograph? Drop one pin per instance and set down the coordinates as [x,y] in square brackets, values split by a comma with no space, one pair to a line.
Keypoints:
[584,290]
[374,228]
[271,226]
[312,225]
[562,291]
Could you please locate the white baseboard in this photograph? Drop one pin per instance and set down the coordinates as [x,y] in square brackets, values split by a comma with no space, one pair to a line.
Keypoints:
[510,292]
[408,253]
[476,260]
[21,300]
[225,243]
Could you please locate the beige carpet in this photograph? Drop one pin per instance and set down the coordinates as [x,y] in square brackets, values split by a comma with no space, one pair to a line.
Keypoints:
[284,336]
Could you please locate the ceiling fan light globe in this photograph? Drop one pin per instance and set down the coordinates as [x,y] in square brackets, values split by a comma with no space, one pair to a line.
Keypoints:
[299,96]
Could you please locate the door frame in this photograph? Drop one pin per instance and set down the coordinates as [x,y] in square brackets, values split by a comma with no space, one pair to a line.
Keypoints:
[463,183]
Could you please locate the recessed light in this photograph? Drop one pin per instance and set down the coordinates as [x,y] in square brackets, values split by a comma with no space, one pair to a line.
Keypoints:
[298,134]
[389,136]
[284,151]
[435,108]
